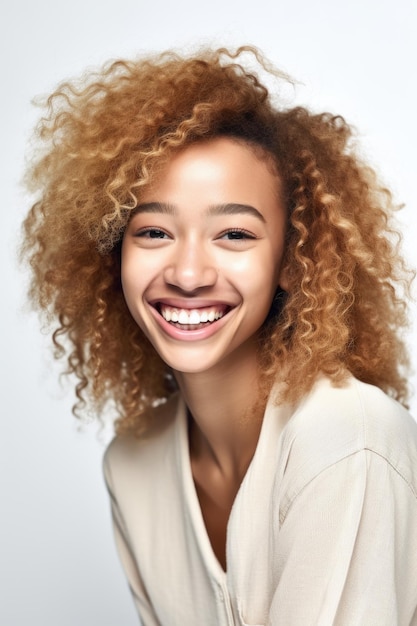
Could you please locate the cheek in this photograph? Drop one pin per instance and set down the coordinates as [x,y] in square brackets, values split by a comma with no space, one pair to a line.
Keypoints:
[133,289]
[133,279]
[127,276]
[125,264]
[257,274]
[136,270]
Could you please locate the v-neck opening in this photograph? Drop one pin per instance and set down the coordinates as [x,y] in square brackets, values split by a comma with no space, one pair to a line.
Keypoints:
[192,501]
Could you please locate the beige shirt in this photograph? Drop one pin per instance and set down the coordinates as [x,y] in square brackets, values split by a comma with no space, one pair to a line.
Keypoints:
[323,529]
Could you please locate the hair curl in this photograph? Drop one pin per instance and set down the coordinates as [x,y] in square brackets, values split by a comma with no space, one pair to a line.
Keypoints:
[108,135]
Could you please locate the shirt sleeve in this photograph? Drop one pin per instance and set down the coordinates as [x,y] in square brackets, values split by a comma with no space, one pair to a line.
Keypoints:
[140,597]
[347,549]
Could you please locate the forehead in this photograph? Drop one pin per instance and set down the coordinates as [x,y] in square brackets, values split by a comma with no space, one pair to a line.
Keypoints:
[222,164]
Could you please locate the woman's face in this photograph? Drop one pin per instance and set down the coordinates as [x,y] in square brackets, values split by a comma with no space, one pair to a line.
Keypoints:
[202,253]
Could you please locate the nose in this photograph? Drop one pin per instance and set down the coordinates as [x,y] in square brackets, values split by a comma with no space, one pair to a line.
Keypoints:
[191,267]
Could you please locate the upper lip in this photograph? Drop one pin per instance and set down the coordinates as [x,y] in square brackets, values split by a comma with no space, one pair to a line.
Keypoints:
[191,303]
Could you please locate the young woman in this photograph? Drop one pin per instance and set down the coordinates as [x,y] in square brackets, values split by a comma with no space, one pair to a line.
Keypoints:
[225,274]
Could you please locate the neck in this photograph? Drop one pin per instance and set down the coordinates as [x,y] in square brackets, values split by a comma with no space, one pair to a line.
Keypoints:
[225,414]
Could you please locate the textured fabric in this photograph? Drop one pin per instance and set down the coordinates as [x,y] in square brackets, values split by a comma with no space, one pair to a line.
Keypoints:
[323,530]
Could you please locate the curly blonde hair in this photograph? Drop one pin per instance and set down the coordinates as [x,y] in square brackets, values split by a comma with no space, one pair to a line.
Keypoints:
[107,136]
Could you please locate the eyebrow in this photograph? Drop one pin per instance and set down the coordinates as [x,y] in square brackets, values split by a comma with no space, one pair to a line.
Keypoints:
[154,207]
[231,208]
[234,208]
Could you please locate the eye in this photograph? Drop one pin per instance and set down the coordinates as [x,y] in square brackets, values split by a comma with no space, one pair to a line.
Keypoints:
[236,234]
[151,233]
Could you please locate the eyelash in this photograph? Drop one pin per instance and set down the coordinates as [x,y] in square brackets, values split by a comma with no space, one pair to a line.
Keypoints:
[241,232]
[146,233]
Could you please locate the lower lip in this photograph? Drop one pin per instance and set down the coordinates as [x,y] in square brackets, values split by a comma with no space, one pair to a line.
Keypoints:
[189,335]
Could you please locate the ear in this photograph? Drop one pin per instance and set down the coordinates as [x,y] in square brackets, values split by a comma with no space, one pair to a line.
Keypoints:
[283,281]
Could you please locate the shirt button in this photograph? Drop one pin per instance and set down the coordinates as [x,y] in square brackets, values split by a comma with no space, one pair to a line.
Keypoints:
[220,595]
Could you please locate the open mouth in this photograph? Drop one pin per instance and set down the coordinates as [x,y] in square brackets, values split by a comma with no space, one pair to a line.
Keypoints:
[192,319]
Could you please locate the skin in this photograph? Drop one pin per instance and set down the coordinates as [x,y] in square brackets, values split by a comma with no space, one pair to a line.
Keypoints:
[183,251]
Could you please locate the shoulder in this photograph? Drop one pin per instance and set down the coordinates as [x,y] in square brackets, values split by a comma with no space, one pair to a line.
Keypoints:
[333,424]
[128,457]
[354,416]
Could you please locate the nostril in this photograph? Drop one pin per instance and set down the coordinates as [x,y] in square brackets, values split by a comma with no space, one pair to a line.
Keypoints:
[190,278]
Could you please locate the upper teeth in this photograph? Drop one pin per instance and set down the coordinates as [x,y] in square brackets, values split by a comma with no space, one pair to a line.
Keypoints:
[193,316]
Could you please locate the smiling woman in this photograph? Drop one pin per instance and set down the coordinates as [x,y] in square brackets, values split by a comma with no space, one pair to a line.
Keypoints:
[213,219]
[240,298]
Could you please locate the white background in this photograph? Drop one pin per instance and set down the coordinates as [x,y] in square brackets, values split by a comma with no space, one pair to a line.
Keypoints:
[58,566]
